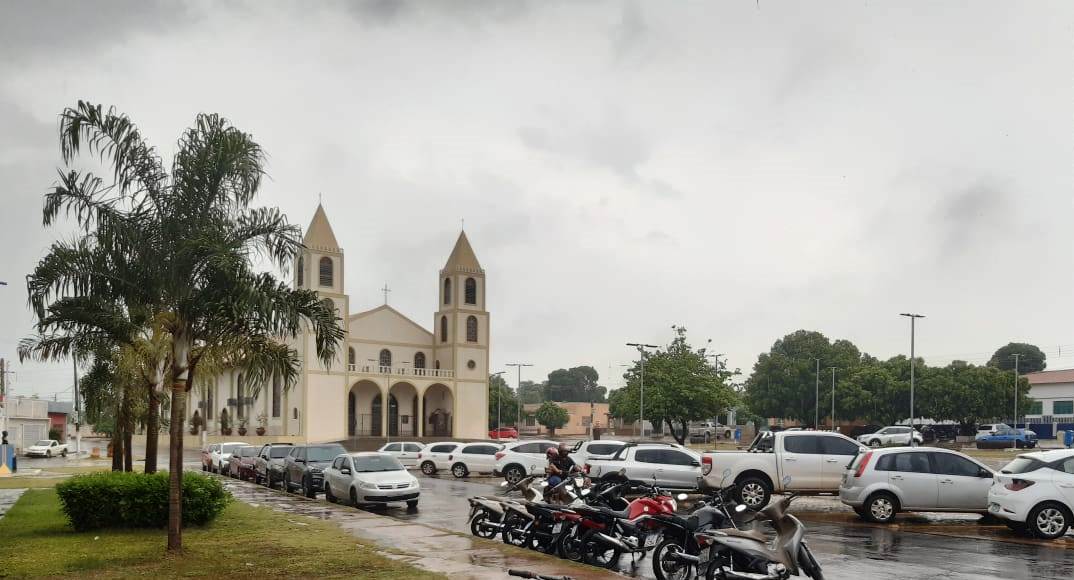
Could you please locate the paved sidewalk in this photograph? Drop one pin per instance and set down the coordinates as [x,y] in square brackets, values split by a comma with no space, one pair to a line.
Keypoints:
[8,497]
[457,555]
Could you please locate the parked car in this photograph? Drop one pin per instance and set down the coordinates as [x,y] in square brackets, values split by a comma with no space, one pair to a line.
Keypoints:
[1034,493]
[859,430]
[405,451]
[241,462]
[304,466]
[805,462]
[268,466]
[583,450]
[517,460]
[46,448]
[880,483]
[990,428]
[1006,438]
[940,432]
[206,455]
[220,455]
[435,456]
[503,433]
[376,478]
[893,435]
[473,458]
[664,465]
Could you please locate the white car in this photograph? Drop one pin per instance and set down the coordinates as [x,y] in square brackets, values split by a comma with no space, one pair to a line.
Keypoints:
[517,460]
[473,458]
[1035,493]
[583,450]
[435,456]
[891,436]
[406,452]
[220,456]
[46,448]
[991,428]
[370,478]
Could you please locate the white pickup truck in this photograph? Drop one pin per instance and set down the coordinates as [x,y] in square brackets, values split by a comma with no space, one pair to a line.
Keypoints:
[46,448]
[809,462]
[661,464]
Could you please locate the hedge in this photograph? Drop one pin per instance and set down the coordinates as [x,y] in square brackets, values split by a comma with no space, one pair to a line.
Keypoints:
[136,500]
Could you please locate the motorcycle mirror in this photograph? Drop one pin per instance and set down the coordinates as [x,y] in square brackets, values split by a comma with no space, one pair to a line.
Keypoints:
[681,496]
[740,508]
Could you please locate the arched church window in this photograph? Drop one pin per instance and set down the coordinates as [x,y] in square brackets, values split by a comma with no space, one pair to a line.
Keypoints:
[447,290]
[385,357]
[301,271]
[471,291]
[471,329]
[419,360]
[437,364]
[443,329]
[326,271]
[350,355]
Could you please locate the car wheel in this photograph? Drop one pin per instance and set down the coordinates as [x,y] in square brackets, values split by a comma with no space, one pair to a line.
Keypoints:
[268,480]
[881,508]
[514,474]
[308,489]
[459,470]
[328,493]
[428,468]
[48,454]
[287,482]
[412,504]
[754,493]
[1048,521]
[874,443]
[63,453]
[354,497]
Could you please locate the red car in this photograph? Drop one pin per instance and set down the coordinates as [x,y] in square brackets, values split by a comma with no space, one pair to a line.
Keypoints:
[241,464]
[503,433]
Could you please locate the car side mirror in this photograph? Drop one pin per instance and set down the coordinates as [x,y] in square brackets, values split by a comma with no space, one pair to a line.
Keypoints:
[984,473]
[345,471]
[300,460]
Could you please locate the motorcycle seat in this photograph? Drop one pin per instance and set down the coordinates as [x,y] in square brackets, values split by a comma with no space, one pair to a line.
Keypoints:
[621,514]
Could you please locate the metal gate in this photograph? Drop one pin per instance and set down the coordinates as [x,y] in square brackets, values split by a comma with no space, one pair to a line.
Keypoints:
[32,433]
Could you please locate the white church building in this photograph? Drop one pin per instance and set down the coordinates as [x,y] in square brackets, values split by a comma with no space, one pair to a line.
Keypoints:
[393,377]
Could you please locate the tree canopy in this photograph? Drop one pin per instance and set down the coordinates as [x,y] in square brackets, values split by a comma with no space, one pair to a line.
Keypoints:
[552,416]
[575,385]
[1031,359]
[502,402]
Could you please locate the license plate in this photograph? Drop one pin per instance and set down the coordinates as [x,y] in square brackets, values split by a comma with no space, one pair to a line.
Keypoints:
[556,528]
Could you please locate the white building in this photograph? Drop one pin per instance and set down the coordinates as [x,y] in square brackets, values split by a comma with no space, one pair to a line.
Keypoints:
[1052,393]
[27,421]
[435,382]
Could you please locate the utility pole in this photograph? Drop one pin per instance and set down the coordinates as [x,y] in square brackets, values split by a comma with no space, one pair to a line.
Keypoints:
[1016,356]
[833,398]
[641,401]
[816,398]
[498,405]
[518,422]
[913,318]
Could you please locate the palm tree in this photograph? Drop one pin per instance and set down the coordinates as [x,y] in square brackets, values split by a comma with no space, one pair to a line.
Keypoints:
[187,239]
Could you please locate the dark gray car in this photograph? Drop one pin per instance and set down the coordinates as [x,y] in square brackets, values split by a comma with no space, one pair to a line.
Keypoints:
[268,467]
[304,466]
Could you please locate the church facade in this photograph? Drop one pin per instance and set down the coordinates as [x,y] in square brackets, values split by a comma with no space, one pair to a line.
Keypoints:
[392,377]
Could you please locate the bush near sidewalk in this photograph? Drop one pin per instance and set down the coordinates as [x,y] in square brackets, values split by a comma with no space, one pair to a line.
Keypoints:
[137,500]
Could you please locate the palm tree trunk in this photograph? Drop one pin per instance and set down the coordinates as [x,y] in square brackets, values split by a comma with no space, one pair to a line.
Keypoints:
[152,430]
[128,456]
[180,377]
[117,447]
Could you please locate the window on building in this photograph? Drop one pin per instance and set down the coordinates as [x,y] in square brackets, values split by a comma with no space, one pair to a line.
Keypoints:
[443,329]
[419,360]
[326,271]
[301,273]
[350,355]
[471,291]
[385,357]
[471,329]
[438,364]
[277,394]
[447,290]
[1035,408]
[1063,408]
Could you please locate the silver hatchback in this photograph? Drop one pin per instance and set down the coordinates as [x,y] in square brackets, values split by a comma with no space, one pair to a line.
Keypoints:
[880,483]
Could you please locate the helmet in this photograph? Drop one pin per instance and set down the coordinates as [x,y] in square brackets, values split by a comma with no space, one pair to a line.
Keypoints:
[552,453]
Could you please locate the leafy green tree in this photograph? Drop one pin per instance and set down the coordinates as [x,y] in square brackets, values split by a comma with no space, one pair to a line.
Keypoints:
[503,401]
[575,385]
[185,238]
[552,416]
[1031,358]
[681,385]
[531,392]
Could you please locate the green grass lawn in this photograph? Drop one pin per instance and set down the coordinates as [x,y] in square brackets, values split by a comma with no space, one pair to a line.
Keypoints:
[244,542]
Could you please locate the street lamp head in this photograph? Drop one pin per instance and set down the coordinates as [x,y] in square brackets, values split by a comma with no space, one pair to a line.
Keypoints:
[912,315]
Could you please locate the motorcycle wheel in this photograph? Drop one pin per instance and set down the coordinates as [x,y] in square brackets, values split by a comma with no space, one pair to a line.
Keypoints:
[716,566]
[512,531]
[596,554]
[479,531]
[667,568]
[570,545]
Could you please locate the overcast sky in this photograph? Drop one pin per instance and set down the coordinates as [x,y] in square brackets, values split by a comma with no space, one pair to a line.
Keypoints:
[742,168]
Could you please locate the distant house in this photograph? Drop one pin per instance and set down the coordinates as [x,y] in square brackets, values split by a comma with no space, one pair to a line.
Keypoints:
[59,412]
[27,421]
[580,417]
[1052,393]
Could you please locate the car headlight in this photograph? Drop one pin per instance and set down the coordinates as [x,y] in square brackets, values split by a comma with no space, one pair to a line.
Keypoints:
[316,470]
[414,483]
[368,485]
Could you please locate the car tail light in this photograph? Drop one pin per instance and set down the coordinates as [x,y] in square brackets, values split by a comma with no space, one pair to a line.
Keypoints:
[499,455]
[864,462]
[706,465]
[1018,484]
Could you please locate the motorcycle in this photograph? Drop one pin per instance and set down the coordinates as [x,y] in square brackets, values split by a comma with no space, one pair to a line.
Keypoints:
[678,554]
[733,554]
[486,517]
[603,535]
[538,525]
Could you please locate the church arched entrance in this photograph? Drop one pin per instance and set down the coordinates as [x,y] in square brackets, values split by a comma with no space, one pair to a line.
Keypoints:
[363,410]
[438,407]
[403,420]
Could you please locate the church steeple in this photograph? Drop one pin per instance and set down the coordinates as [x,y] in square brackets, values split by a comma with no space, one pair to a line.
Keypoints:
[462,258]
[319,236]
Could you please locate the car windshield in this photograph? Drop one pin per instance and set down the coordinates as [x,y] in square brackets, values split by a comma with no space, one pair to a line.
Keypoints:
[278,452]
[248,452]
[326,453]
[44,443]
[230,448]
[371,463]
[1022,465]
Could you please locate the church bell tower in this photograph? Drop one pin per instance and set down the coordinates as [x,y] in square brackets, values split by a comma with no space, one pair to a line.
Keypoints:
[461,324]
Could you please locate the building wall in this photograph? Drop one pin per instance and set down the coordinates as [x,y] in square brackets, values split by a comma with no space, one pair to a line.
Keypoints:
[577,423]
[326,395]
[58,421]
[1048,394]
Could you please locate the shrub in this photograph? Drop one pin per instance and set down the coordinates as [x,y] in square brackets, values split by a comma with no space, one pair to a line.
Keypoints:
[137,500]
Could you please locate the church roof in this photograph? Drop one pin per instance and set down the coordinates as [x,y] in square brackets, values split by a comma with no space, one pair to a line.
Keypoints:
[319,235]
[394,313]
[462,258]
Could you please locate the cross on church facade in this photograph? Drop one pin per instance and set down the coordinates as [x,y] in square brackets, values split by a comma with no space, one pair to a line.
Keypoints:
[385,290]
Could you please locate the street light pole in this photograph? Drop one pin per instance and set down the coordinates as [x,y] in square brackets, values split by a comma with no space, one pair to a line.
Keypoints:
[498,400]
[913,318]
[1016,356]
[641,400]
[518,421]
[816,398]
[833,398]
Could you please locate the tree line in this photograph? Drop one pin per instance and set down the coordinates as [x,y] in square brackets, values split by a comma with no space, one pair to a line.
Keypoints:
[580,384]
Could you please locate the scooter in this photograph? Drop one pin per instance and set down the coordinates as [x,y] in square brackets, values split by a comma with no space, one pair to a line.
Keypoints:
[678,554]
[537,525]
[486,517]
[734,554]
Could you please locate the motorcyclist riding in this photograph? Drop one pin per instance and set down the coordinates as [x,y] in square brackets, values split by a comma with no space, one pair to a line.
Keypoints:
[559,464]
